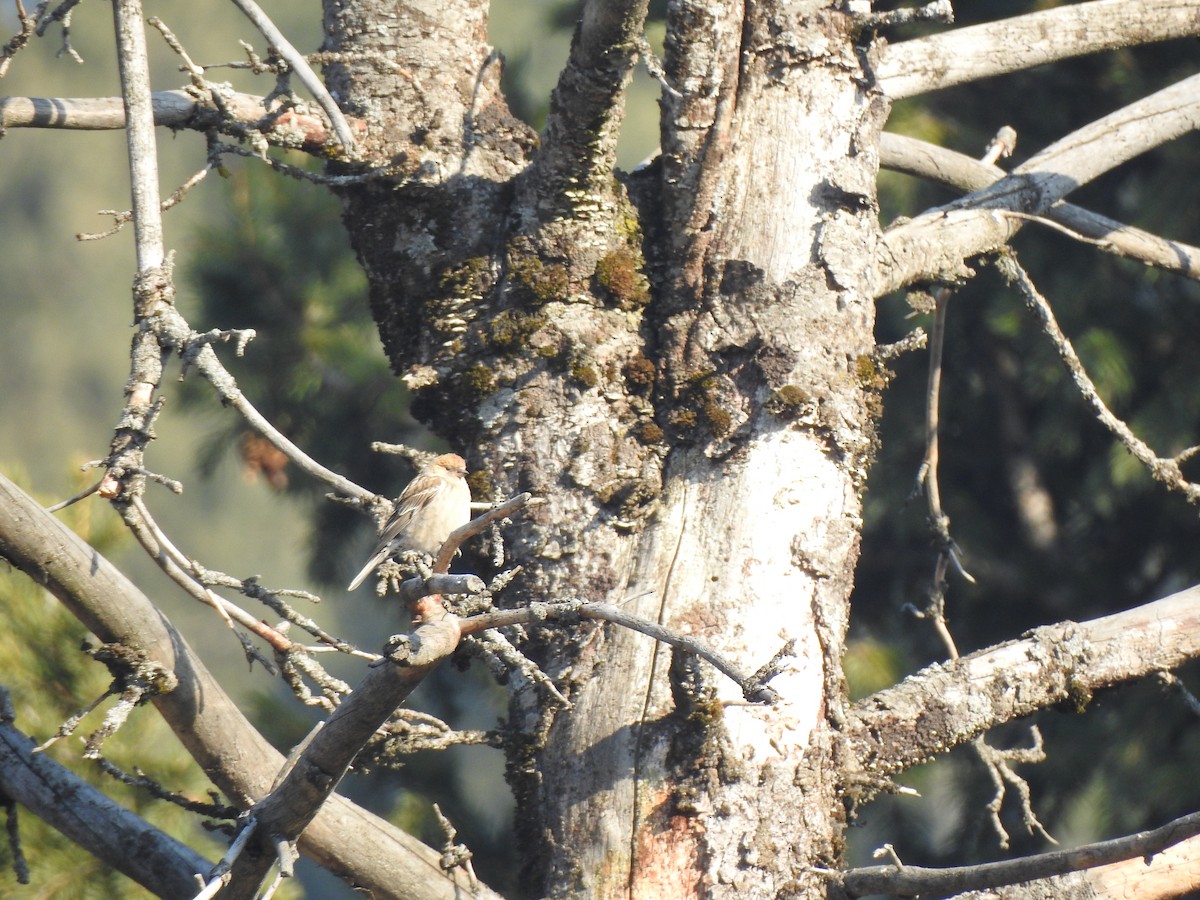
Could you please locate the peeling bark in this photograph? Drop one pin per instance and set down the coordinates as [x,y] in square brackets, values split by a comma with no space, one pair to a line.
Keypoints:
[682,365]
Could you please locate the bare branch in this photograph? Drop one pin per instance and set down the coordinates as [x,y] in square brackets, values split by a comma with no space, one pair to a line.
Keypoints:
[934,245]
[909,881]
[930,63]
[1065,663]
[999,765]
[329,749]
[293,125]
[213,809]
[1171,682]
[753,686]
[441,564]
[172,332]
[60,13]
[178,568]
[241,763]
[935,11]
[143,162]
[304,72]
[121,219]
[18,41]
[958,170]
[63,504]
[162,865]
[1164,470]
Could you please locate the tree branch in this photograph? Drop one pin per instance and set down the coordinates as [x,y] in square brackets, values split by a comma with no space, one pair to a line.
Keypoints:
[930,63]
[450,546]
[579,144]
[381,859]
[302,69]
[945,705]
[909,881]
[293,125]
[934,245]
[143,162]
[329,749]
[1164,470]
[962,172]
[99,825]
[754,687]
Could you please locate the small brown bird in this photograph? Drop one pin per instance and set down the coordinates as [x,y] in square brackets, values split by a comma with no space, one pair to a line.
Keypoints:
[433,504]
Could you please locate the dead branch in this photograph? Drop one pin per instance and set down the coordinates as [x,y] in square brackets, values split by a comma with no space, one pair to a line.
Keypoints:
[935,245]
[957,170]
[302,69]
[19,40]
[1167,471]
[441,564]
[909,881]
[754,689]
[1055,664]
[163,865]
[330,748]
[292,125]
[241,763]
[908,68]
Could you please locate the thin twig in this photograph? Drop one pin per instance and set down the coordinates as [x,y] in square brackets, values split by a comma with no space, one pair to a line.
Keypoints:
[1164,470]
[63,504]
[1171,682]
[1102,243]
[67,728]
[176,334]
[441,564]
[753,690]
[165,545]
[910,881]
[212,810]
[60,12]
[217,877]
[147,536]
[303,70]
[314,177]
[19,40]
[121,218]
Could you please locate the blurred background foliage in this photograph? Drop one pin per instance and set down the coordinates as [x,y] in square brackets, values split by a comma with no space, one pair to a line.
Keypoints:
[260,251]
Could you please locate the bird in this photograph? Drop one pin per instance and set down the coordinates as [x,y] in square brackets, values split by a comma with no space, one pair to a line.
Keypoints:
[433,504]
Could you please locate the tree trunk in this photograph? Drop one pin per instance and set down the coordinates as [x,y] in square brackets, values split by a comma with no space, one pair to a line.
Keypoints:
[681,363]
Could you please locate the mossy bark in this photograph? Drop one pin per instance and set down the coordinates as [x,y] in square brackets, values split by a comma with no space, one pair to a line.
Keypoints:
[670,359]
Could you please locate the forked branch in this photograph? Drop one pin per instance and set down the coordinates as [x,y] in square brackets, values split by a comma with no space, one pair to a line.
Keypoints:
[962,172]
[935,245]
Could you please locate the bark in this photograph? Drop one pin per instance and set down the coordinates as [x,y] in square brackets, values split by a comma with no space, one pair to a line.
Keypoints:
[680,362]
[945,705]
[101,826]
[1014,45]
[231,752]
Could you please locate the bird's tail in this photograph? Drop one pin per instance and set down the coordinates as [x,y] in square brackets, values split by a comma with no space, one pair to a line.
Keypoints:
[370,567]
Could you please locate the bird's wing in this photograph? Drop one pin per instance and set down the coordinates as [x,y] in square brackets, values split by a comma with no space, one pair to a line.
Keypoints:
[413,501]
